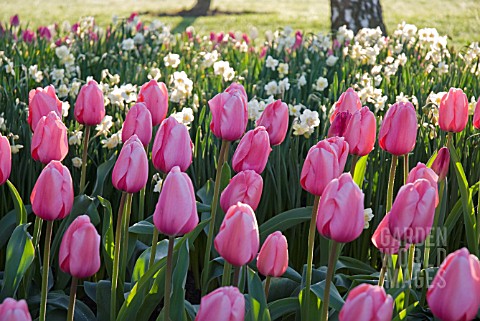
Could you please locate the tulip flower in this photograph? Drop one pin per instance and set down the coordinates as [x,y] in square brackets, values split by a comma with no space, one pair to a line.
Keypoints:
[14,21]
[5,159]
[361,132]
[11,310]
[453,111]
[454,294]
[236,87]
[245,187]
[252,152]
[441,163]
[138,122]
[155,97]
[49,141]
[422,171]
[90,106]
[398,132]
[172,146]
[273,257]
[275,120]
[348,101]
[130,173]
[413,210]
[41,101]
[339,124]
[367,303]
[324,162]
[223,304]
[476,115]
[238,239]
[383,239]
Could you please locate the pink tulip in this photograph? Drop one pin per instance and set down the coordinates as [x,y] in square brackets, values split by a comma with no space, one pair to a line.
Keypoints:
[14,21]
[176,210]
[476,115]
[252,151]
[238,239]
[245,187]
[298,40]
[273,257]
[223,304]
[79,253]
[236,87]
[90,106]
[324,162]
[172,146]
[52,195]
[49,141]
[383,239]
[441,163]
[275,120]
[454,294]
[40,102]
[229,114]
[398,132]
[453,111]
[130,173]
[413,210]
[6,159]
[361,132]
[348,101]
[341,212]
[155,97]
[422,171]
[11,310]
[138,122]
[339,124]
[367,303]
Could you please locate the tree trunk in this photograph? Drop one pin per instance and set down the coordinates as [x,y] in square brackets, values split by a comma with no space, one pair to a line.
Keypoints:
[201,8]
[357,14]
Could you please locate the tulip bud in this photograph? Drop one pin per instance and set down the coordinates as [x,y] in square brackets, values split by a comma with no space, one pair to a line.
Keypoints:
[138,122]
[5,159]
[412,213]
[245,187]
[441,163]
[341,210]
[455,291]
[41,101]
[238,239]
[422,171]
[90,106]
[155,97]
[367,302]
[275,120]
[52,195]
[476,115]
[398,132]
[176,210]
[339,124]
[79,253]
[273,257]
[383,239]
[49,141]
[361,132]
[348,101]
[324,162]
[252,151]
[453,111]
[226,303]
[11,310]
[172,146]
[130,173]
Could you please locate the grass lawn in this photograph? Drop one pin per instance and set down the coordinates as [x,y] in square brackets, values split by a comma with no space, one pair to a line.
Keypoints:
[459,19]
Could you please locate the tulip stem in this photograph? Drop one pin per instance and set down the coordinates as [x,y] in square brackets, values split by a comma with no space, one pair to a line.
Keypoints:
[73,294]
[153,251]
[84,159]
[381,279]
[116,258]
[211,228]
[227,271]
[236,275]
[405,168]
[311,243]
[332,260]
[267,286]
[391,182]
[141,204]
[168,278]
[354,164]
[45,268]
[125,225]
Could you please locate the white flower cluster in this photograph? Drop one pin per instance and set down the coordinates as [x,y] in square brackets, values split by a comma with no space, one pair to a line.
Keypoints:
[367,92]
[256,107]
[306,123]
[185,116]
[119,96]
[471,57]
[222,68]
[182,87]
[280,87]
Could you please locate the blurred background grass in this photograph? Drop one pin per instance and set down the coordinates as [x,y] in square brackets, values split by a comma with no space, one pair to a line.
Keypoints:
[460,19]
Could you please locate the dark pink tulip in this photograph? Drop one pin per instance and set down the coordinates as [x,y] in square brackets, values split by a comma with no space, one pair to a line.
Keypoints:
[5,159]
[348,101]
[441,163]
[49,141]
[132,17]
[238,239]
[52,195]
[422,171]
[341,212]
[324,162]
[176,210]
[41,101]
[155,97]
[44,32]
[130,173]
[11,310]
[398,132]
[223,304]
[367,302]
[453,111]
[252,152]
[14,21]
[79,253]
[138,122]
[476,115]
[361,132]
[275,120]
[383,239]
[28,35]
[339,124]
[90,105]
[172,146]
[245,187]
[272,259]
[455,291]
